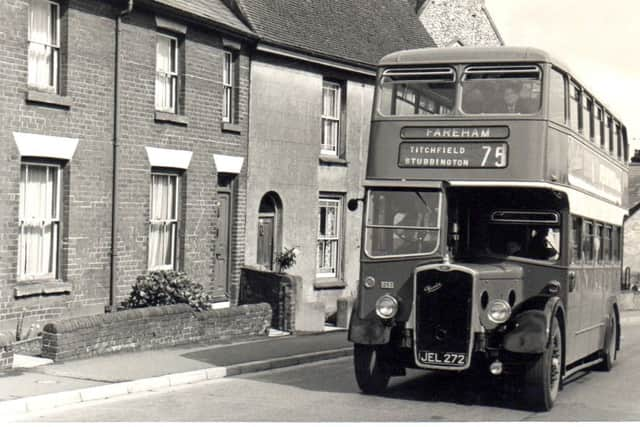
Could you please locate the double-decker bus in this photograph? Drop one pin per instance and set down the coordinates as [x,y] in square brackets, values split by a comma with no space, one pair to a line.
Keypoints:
[495,196]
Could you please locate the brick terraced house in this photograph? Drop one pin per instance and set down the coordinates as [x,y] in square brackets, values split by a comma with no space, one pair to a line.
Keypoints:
[123,149]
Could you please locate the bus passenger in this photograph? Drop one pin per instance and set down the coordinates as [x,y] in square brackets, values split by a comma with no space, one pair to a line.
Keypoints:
[474,102]
[511,98]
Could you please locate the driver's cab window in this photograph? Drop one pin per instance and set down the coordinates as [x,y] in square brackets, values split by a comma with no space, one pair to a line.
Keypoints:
[402,222]
[533,235]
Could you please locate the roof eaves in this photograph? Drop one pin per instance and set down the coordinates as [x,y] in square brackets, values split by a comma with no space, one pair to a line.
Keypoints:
[318,54]
[201,20]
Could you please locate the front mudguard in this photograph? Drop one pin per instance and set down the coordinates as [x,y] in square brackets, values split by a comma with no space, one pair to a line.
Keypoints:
[370,331]
[528,329]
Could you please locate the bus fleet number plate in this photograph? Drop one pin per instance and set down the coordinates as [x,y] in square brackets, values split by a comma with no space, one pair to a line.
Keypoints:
[442,358]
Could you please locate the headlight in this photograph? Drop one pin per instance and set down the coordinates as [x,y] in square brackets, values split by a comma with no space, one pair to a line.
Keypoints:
[369,282]
[386,307]
[499,311]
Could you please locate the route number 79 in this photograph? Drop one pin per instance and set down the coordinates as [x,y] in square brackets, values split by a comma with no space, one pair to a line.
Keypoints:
[494,156]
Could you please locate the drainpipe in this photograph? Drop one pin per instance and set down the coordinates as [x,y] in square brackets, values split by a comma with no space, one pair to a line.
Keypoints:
[114,175]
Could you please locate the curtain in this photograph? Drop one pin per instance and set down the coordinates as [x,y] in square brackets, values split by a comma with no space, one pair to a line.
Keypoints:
[164,80]
[40,45]
[38,219]
[163,221]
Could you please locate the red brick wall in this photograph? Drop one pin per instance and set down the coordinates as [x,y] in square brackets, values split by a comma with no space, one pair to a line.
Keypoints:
[6,352]
[151,327]
[202,136]
[86,201]
[276,289]
[88,68]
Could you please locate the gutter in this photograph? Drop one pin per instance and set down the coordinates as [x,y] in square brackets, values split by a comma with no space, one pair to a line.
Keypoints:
[114,176]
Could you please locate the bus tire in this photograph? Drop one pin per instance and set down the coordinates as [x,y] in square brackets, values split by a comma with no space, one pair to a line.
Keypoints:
[543,378]
[372,375]
[609,353]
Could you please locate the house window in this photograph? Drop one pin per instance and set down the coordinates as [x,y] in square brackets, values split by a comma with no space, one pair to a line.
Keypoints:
[329,230]
[228,79]
[167,73]
[44,45]
[39,221]
[331,100]
[163,224]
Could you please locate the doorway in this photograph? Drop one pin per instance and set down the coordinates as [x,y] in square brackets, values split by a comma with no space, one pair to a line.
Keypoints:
[224,211]
[269,230]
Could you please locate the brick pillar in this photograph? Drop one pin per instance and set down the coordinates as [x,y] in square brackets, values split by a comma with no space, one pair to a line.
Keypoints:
[6,351]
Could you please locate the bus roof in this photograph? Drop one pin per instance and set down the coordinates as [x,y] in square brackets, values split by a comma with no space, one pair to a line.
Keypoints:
[465,55]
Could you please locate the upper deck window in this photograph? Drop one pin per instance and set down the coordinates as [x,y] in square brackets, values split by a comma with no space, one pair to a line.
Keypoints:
[575,96]
[417,91]
[501,89]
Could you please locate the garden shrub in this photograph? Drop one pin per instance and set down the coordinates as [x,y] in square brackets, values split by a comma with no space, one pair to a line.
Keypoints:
[166,287]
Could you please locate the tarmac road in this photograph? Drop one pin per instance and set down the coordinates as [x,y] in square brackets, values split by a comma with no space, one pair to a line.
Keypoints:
[326,391]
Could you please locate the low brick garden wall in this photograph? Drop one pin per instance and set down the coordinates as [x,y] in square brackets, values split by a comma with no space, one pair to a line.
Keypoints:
[151,327]
[6,351]
[276,289]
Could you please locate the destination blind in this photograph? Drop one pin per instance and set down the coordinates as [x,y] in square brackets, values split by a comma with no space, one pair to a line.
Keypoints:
[453,155]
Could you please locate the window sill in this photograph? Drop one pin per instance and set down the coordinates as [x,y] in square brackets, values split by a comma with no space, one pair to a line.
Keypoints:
[41,287]
[178,119]
[54,99]
[231,127]
[329,160]
[329,283]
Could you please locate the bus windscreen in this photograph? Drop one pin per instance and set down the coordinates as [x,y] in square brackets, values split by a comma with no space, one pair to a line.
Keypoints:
[402,223]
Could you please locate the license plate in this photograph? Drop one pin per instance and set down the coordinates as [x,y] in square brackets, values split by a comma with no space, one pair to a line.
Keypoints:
[442,358]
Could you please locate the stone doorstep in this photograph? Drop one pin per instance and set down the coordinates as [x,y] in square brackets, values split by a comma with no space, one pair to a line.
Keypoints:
[23,361]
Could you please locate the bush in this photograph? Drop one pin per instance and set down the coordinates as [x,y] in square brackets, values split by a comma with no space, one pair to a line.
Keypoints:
[286,259]
[166,288]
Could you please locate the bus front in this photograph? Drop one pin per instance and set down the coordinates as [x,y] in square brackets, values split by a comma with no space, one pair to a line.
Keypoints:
[464,246]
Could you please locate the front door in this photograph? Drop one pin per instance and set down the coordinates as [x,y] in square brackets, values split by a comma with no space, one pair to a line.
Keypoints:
[222,243]
[265,241]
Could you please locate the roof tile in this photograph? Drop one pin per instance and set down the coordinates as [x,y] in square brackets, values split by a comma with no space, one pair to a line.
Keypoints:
[212,10]
[360,31]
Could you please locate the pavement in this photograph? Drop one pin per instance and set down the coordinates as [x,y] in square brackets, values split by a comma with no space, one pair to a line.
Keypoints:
[36,384]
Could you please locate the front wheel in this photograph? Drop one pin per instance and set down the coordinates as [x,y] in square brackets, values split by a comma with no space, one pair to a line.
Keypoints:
[371,373]
[544,376]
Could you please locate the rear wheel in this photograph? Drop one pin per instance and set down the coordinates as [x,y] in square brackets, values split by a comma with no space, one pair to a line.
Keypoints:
[609,352]
[544,376]
[371,373]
